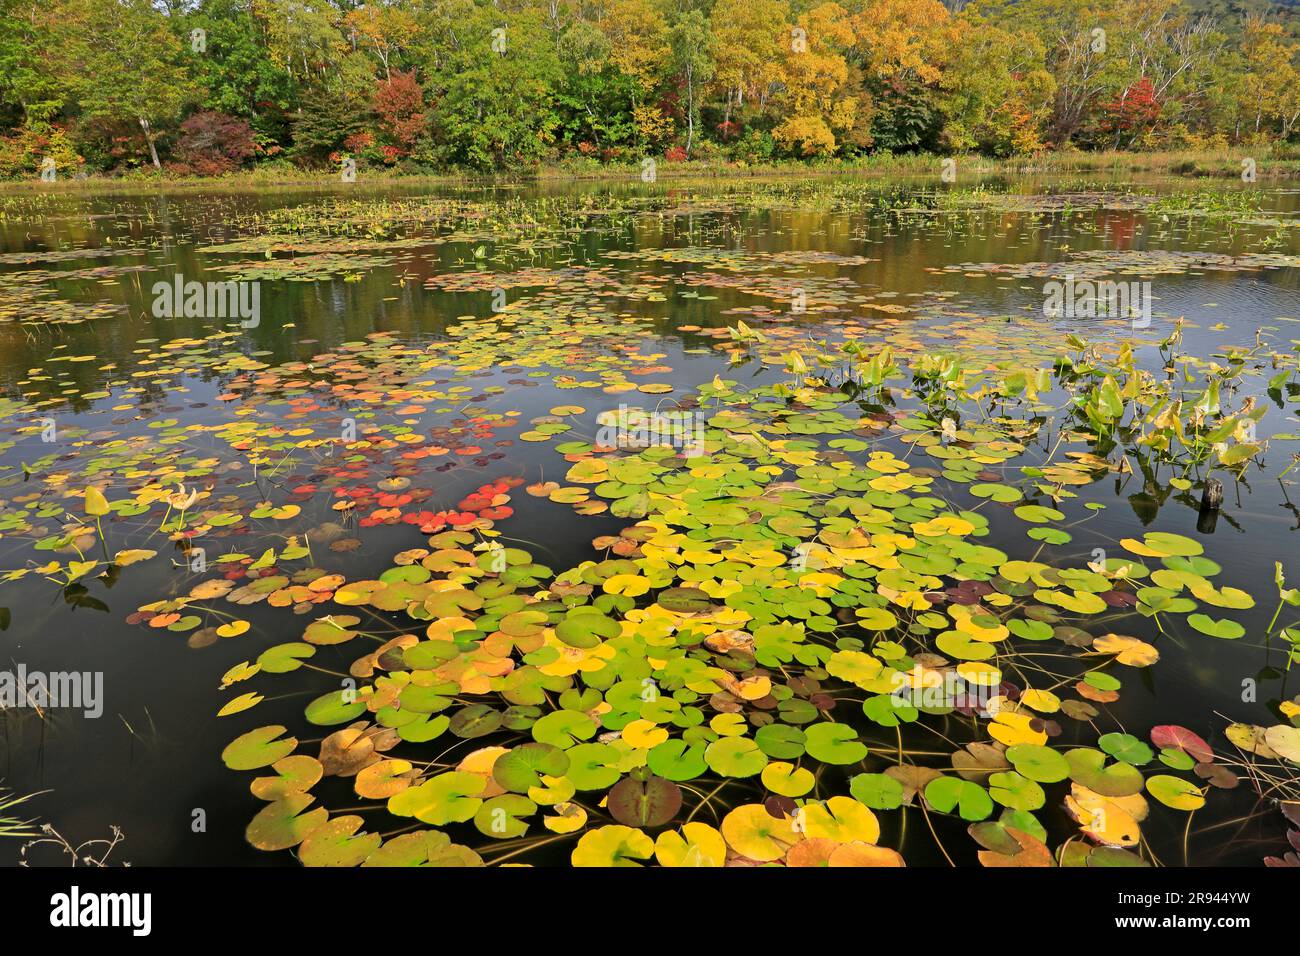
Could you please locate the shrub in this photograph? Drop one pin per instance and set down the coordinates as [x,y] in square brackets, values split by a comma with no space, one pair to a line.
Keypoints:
[213,143]
[21,155]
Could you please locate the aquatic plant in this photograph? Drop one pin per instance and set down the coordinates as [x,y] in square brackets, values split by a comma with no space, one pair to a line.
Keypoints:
[14,826]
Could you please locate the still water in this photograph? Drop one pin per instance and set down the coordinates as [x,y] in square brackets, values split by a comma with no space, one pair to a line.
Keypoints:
[558,298]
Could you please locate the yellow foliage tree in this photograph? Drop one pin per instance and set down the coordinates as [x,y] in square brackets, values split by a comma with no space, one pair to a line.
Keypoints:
[1272,83]
[749,39]
[817,101]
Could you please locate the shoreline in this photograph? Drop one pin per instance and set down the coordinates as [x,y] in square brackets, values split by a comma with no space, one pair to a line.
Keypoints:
[1191,167]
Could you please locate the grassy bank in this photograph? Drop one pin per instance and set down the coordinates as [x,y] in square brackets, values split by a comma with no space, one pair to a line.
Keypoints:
[1224,164]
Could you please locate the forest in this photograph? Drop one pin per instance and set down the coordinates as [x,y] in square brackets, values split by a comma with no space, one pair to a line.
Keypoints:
[210,87]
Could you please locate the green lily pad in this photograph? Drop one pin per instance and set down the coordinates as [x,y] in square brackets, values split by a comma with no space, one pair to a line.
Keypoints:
[451,797]
[522,767]
[1175,792]
[258,748]
[1039,763]
[1126,747]
[1223,628]
[834,743]
[735,757]
[283,824]
[877,790]
[971,801]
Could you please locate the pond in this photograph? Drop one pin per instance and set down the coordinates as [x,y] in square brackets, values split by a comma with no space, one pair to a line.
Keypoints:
[757,521]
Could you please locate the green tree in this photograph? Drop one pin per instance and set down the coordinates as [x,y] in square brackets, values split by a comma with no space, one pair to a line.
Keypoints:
[692,46]
[302,37]
[997,91]
[640,50]
[595,98]
[235,70]
[129,68]
[324,122]
[495,91]
[29,38]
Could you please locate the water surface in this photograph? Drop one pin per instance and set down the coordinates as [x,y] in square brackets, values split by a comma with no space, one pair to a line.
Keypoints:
[658,270]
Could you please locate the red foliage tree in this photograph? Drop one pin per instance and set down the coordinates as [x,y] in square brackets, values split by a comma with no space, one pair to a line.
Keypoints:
[1132,112]
[399,101]
[212,143]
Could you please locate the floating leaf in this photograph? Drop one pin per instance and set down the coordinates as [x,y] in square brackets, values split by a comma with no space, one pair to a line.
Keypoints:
[258,748]
[1175,792]
[612,846]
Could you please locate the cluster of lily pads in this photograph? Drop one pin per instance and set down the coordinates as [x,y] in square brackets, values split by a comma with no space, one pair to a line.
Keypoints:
[720,687]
